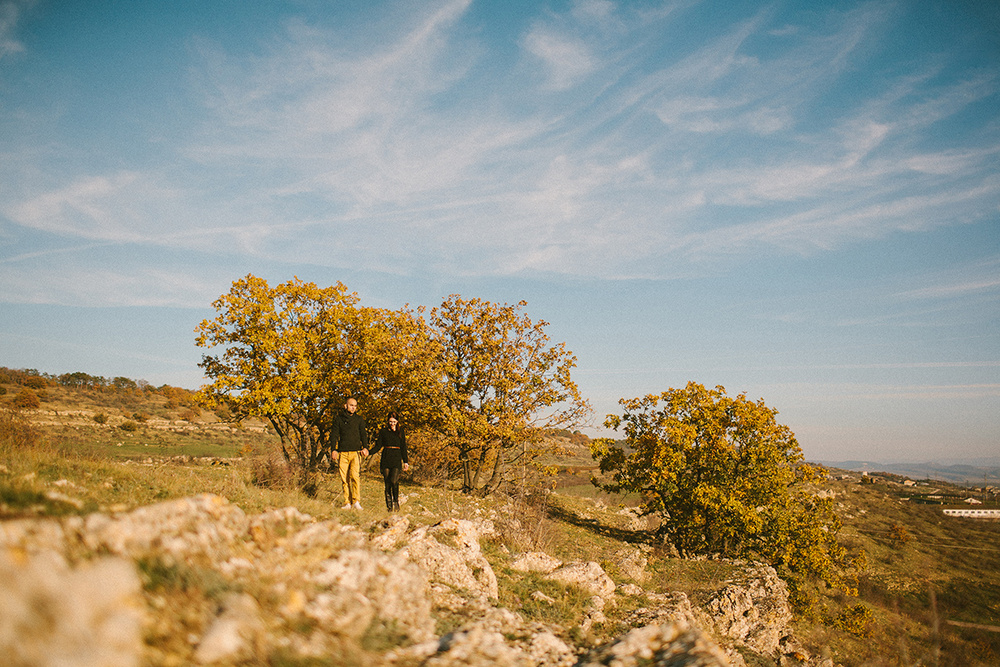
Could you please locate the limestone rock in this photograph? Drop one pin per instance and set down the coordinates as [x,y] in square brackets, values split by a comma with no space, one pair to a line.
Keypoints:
[535,561]
[55,615]
[663,645]
[461,566]
[630,589]
[547,650]
[589,576]
[632,563]
[390,532]
[205,526]
[234,634]
[476,648]
[666,608]
[753,610]
[32,535]
[362,585]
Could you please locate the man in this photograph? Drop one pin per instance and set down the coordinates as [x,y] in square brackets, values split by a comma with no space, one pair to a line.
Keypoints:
[350,443]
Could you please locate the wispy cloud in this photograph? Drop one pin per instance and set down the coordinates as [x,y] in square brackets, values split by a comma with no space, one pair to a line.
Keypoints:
[979,278]
[601,148]
[10,14]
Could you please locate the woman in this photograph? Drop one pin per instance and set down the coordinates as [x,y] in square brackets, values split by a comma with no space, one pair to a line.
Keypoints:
[392,443]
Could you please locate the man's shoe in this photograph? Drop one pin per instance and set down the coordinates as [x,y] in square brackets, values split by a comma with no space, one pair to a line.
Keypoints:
[357,506]
[395,506]
[346,507]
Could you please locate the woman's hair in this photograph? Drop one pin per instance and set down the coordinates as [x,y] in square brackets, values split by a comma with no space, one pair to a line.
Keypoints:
[393,415]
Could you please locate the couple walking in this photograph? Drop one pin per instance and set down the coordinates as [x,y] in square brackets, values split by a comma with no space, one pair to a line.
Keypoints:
[349,442]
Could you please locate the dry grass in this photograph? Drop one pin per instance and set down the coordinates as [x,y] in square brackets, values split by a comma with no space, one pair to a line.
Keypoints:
[58,461]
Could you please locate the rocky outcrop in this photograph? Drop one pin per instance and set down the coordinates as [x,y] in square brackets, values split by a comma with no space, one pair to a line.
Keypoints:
[753,610]
[85,591]
[668,644]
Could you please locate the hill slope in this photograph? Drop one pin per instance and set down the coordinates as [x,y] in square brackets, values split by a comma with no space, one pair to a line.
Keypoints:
[931,582]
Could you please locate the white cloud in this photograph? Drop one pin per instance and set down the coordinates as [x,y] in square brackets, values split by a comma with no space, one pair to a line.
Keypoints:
[980,278]
[630,158]
[565,59]
[10,14]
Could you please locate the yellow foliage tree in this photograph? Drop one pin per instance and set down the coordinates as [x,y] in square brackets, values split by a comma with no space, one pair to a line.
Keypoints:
[725,477]
[295,352]
[505,382]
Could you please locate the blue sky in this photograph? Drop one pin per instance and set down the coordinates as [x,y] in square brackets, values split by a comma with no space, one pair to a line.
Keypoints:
[796,200]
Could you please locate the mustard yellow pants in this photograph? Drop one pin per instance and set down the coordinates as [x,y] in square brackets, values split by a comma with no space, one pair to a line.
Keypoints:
[350,476]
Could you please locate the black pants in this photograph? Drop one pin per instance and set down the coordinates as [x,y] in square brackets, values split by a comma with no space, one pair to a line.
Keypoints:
[391,477]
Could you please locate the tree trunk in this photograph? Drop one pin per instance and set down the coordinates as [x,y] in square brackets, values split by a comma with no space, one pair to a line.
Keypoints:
[499,467]
[466,469]
[483,451]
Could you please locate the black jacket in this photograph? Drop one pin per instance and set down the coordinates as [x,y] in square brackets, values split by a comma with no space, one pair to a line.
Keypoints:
[350,432]
[393,447]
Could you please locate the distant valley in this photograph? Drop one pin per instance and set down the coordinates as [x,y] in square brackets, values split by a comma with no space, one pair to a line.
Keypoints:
[970,472]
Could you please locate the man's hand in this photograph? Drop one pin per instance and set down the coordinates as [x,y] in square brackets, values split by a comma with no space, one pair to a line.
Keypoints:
[364,451]
[406,466]
[334,455]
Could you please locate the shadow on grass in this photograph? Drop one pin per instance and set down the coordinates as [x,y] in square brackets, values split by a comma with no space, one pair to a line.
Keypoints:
[558,512]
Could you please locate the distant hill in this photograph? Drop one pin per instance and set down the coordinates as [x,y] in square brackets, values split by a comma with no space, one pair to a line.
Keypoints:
[971,472]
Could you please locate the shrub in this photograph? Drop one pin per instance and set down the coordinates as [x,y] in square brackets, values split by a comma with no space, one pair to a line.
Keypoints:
[16,431]
[899,534]
[855,620]
[129,426]
[3,390]
[27,400]
[101,418]
[271,471]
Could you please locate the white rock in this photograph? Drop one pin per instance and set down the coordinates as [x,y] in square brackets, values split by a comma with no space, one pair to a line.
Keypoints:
[53,615]
[233,634]
[589,576]
[753,610]
[549,651]
[630,589]
[666,644]
[460,567]
[542,597]
[535,561]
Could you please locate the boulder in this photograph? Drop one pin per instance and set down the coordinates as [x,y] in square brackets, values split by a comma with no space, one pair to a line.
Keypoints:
[589,576]
[449,553]
[360,586]
[535,561]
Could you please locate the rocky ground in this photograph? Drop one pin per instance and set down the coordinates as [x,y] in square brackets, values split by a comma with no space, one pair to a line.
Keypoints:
[198,581]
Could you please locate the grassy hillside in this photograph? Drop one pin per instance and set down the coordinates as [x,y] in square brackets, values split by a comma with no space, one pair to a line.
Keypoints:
[932,583]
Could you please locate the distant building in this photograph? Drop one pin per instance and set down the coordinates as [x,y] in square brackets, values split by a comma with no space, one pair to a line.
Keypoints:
[973,501]
[974,514]
[909,482]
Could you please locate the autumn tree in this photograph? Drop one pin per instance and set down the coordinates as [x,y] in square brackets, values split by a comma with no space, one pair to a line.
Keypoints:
[294,353]
[724,477]
[505,382]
